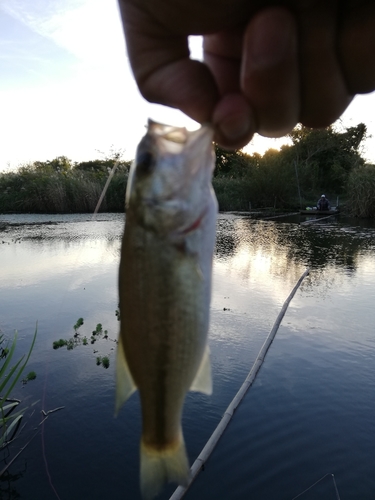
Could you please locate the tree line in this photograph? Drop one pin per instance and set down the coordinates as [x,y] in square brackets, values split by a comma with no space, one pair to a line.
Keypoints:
[63,186]
[316,161]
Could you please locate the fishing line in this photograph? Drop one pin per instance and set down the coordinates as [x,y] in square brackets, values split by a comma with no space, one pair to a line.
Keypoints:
[111,174]
[318,481]
[204,455]
[42,434]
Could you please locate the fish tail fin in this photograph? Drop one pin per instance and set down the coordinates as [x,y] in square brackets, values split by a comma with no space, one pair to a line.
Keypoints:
[160,466]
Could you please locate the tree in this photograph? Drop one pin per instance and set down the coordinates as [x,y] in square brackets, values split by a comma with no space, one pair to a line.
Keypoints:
[58,164]
[323,158]
[104,166]
[234,163]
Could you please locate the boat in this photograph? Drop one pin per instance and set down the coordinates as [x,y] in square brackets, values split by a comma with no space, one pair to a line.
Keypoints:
[313,211]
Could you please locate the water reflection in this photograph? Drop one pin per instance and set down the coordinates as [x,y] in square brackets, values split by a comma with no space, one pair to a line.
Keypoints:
[274,249]
[41,251]
[7,485]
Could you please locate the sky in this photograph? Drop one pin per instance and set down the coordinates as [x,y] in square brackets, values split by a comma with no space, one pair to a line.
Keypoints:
[66,88]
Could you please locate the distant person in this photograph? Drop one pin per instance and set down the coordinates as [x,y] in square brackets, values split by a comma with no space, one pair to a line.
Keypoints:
[323,203]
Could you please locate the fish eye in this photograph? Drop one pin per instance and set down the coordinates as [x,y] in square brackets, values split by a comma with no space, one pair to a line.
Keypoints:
[145,162]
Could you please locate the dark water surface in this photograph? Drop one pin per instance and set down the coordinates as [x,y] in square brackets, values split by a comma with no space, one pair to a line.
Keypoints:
[310,411]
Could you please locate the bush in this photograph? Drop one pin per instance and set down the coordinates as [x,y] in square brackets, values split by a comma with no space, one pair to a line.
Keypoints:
[232,194]
[38,190]
[361,191]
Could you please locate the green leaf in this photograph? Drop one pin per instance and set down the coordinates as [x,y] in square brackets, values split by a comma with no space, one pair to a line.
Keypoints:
[4,439]
[13,370]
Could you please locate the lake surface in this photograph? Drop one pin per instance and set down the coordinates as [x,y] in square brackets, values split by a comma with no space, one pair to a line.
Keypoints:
[309,413]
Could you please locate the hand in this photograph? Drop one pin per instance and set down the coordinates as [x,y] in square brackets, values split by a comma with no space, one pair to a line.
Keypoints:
[265,67]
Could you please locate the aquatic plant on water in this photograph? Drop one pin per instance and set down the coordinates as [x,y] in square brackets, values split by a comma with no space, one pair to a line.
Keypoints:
[105,361]
[117,313]
[98,329]
[78,324]
[59,343]
[96,335]
[29,376]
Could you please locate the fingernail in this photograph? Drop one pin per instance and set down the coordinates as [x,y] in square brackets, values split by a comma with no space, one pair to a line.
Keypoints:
[271,39]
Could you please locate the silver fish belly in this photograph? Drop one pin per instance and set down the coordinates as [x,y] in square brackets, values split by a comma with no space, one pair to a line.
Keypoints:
[165,290]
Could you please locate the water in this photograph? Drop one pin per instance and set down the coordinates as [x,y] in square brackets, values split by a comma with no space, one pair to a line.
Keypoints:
[310,411]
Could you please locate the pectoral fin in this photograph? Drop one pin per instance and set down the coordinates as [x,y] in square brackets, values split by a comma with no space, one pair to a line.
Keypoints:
[203,379]
[125,385]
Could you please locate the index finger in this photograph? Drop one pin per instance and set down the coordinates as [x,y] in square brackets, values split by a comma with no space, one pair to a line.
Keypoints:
[163,70]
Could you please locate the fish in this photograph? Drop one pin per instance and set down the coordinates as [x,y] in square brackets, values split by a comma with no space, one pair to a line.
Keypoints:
[165,279]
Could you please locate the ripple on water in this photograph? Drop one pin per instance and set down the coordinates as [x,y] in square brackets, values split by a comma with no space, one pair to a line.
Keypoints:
[309,412]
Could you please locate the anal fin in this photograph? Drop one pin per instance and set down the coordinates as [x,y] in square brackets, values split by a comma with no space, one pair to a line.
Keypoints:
[203,378]
[125,385]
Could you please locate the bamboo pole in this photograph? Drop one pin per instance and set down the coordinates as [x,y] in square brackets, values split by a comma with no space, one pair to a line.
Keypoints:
[280,216]
[318,219]
[111,174]
[229,412]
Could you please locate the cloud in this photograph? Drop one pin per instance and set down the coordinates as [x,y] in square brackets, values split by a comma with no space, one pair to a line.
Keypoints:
[67,89]
[89,29]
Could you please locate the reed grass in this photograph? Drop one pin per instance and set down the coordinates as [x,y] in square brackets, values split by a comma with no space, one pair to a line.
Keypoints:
[241,181]
[361,192]
[232,194]
[74,191]
[8,379]
[252,191]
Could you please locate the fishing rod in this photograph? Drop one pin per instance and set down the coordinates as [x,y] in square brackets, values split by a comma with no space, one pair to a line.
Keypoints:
[204,455]
[317,219]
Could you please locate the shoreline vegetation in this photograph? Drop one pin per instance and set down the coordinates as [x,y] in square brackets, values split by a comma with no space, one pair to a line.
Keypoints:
[316,161]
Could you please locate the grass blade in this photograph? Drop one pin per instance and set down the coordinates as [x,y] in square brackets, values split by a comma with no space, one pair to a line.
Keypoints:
[19,373]
[13,426]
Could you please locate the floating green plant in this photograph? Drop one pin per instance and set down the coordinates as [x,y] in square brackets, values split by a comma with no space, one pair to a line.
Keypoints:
[29,376]
[78,324]
[98,329]
[59,343]
[70,344]
[105,361]
[102,361]
[96,335]
[117,313]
